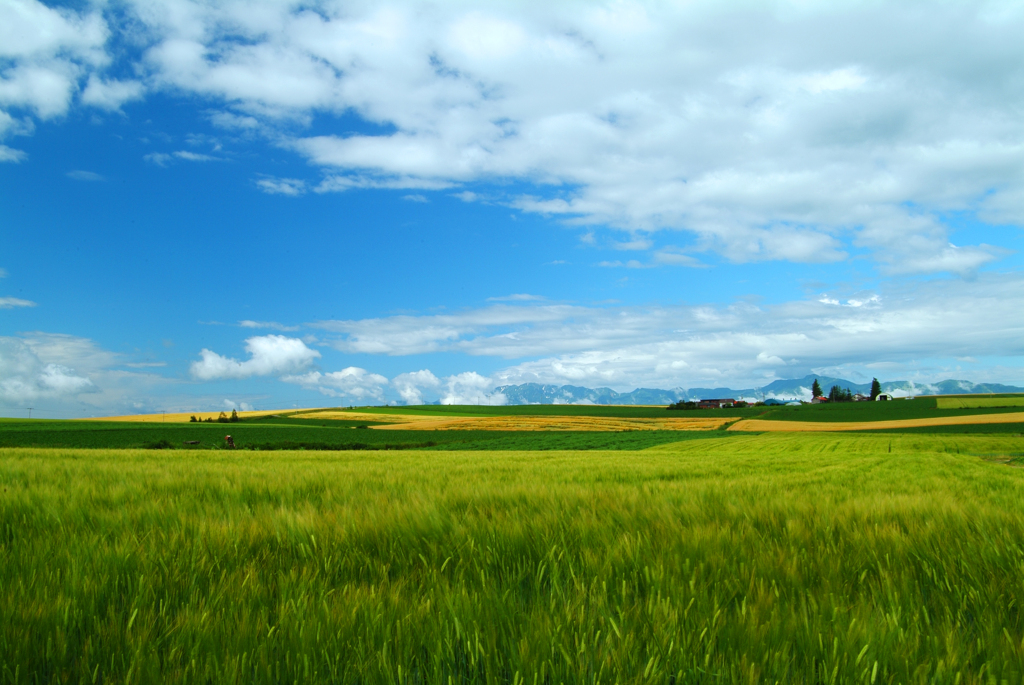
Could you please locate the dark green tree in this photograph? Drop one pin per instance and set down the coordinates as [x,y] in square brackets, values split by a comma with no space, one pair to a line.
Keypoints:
[816,389]
[876,388]
[837,394]
[234,416]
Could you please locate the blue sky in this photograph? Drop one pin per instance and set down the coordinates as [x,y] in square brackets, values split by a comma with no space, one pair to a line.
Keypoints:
[279,204]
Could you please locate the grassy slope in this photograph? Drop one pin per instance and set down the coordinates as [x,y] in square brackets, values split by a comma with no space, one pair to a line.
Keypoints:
[791,558]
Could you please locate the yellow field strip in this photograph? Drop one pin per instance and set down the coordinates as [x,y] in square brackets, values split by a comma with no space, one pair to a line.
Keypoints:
[759,425]
[363,416]
[182,417]
[559,423]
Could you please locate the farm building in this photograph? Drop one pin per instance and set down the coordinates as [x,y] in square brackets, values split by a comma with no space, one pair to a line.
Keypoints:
[820,399]
[715,404]
[883,397]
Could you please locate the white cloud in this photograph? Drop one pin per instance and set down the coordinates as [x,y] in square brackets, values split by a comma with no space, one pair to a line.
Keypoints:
[195,156]
[231,404]
[282,186]
[12,302]
[518,297]
[273,325]
[400,335]
[351,382]
[742,343]
[268,355]
[410,386]
[415,198]
[80,175]
[8,154]
[164,158]
[767,132]
[44,51]
[471,388]
[57,370]
[110,95]
[637,243]
[231,121]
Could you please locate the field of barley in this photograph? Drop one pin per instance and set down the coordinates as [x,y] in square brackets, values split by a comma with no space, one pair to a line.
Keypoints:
[783,558]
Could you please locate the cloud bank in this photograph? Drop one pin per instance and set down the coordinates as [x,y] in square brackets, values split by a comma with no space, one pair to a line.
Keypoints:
[803,132]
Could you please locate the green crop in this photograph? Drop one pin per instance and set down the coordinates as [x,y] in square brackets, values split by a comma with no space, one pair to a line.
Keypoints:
[773,558]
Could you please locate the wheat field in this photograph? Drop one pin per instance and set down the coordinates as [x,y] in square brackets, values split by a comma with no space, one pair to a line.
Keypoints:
[795,558]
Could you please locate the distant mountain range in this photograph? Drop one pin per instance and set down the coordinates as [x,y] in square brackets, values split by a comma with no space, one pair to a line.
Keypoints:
[795,389]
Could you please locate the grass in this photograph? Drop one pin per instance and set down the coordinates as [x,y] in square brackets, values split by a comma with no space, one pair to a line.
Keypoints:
[773,558]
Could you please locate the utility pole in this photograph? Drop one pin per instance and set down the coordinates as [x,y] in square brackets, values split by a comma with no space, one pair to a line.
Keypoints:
[30,412]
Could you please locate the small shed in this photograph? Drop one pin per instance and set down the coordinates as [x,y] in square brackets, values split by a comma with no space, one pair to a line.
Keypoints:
[883,397]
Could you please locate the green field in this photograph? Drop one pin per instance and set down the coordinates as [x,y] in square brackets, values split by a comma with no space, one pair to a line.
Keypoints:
[899,409]
[980,402]
[772,558]
[307,434]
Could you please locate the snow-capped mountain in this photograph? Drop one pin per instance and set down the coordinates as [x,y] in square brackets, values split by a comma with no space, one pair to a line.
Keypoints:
[793,389]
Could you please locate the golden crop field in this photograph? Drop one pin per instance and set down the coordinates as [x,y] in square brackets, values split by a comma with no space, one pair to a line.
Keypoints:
[761,425]
[560,423]
[523,423]
[350,415]
[182,417]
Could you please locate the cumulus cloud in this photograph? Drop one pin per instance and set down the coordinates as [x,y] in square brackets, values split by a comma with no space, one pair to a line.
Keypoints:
[57,370]
[410,386]
[471,388]
[268,355]
[766,144]
[231,404]
[26,377]
[110,95]
[43,52]
[765,132]
[351,382]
